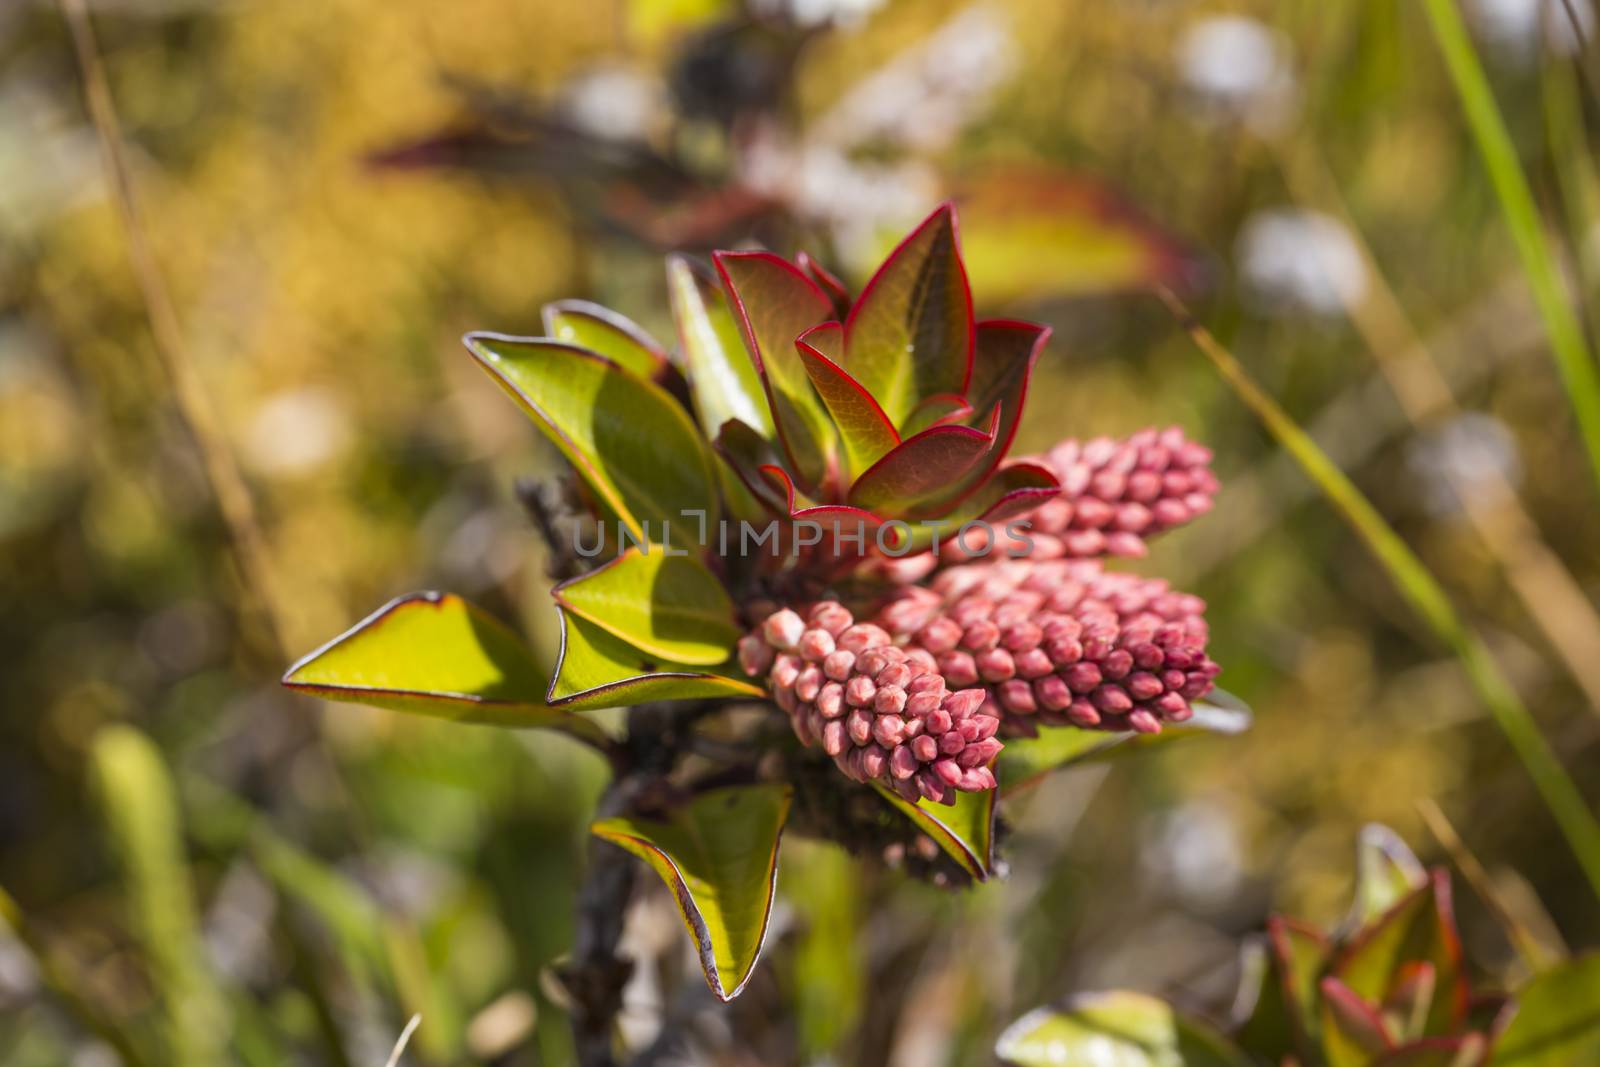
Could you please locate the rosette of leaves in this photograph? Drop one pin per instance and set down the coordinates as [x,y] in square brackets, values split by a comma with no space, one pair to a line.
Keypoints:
[783,399]
[1389,988]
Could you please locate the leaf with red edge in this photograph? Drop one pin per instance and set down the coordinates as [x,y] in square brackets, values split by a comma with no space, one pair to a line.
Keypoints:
[601,330]
[938,410]
[597,669]
[718,854]
[1405,1008]
[1003,357]
[865,430]
[835,520]
[922,473]
[964,830]
[828,282]
[1352,1030]
[722,380]
[1296,955]
[746,452]
[909,335]
[1419,928]
[1469,1051]
[774,304]
[1038,233]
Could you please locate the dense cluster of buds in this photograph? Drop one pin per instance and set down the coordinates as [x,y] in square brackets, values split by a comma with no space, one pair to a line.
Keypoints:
[1115,495]
[882,712]
[1060,642]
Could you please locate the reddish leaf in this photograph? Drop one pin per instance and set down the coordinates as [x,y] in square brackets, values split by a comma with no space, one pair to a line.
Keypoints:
[916,478]
[828,282]
[865,430]
[834,519]
[1421,928]
[1352,1030]
[1013,490]
[746,452]
[1039,233]
[774,304]
[910,334]
[1004,355]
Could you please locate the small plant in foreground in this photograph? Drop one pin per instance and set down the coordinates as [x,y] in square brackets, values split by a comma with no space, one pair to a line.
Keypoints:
[1388,988]
[879,589]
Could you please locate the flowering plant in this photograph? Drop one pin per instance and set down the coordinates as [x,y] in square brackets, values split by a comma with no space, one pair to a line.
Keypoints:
[810,504]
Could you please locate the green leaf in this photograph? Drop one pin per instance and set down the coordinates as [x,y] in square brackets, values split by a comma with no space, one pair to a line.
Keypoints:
[1386,872]
[1262,1025]
[1035,234]
[604,332]
[922,475]
[864,429]
[1421,927]
[631,442]
[598,670]
[1025,760]
[719,856]
[909,334]
[827,281]
[433,654]
[1557,1020]
[668,606]
[140,806]
[1118,1029]
[1299,957]
[964,829]
[722,380]
[774,304]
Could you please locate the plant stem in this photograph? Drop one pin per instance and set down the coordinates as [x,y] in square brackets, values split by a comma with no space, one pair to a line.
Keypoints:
[1521,214]
[1425,595]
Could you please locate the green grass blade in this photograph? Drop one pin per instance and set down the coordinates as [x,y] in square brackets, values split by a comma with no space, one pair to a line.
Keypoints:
[55,978]
[1423,592]
[1517,205]
[140,807]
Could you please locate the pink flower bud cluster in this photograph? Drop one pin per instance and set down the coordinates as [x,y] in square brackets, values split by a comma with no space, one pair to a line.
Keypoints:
[882,712]
[1115,495]
[1061,642]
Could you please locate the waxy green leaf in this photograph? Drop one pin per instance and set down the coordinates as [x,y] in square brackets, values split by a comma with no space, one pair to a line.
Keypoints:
[604,332]
[1420,928]
[1114,1030]
[434,654]
[599,670]
[722,380]
[774,304]
[719,856]
[666,605]
[909,335]
[1025,760]
[864,429]
[964,830]
[629,440]
[1557,1020]
[827,281]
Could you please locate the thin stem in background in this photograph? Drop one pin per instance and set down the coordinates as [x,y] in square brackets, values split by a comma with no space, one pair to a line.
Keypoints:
[194,406]
[1534,955]
[1422,591]
[1517,206]
[1547,589]
[268,604]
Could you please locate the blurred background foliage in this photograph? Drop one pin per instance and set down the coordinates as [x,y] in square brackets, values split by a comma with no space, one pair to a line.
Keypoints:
[216,870]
